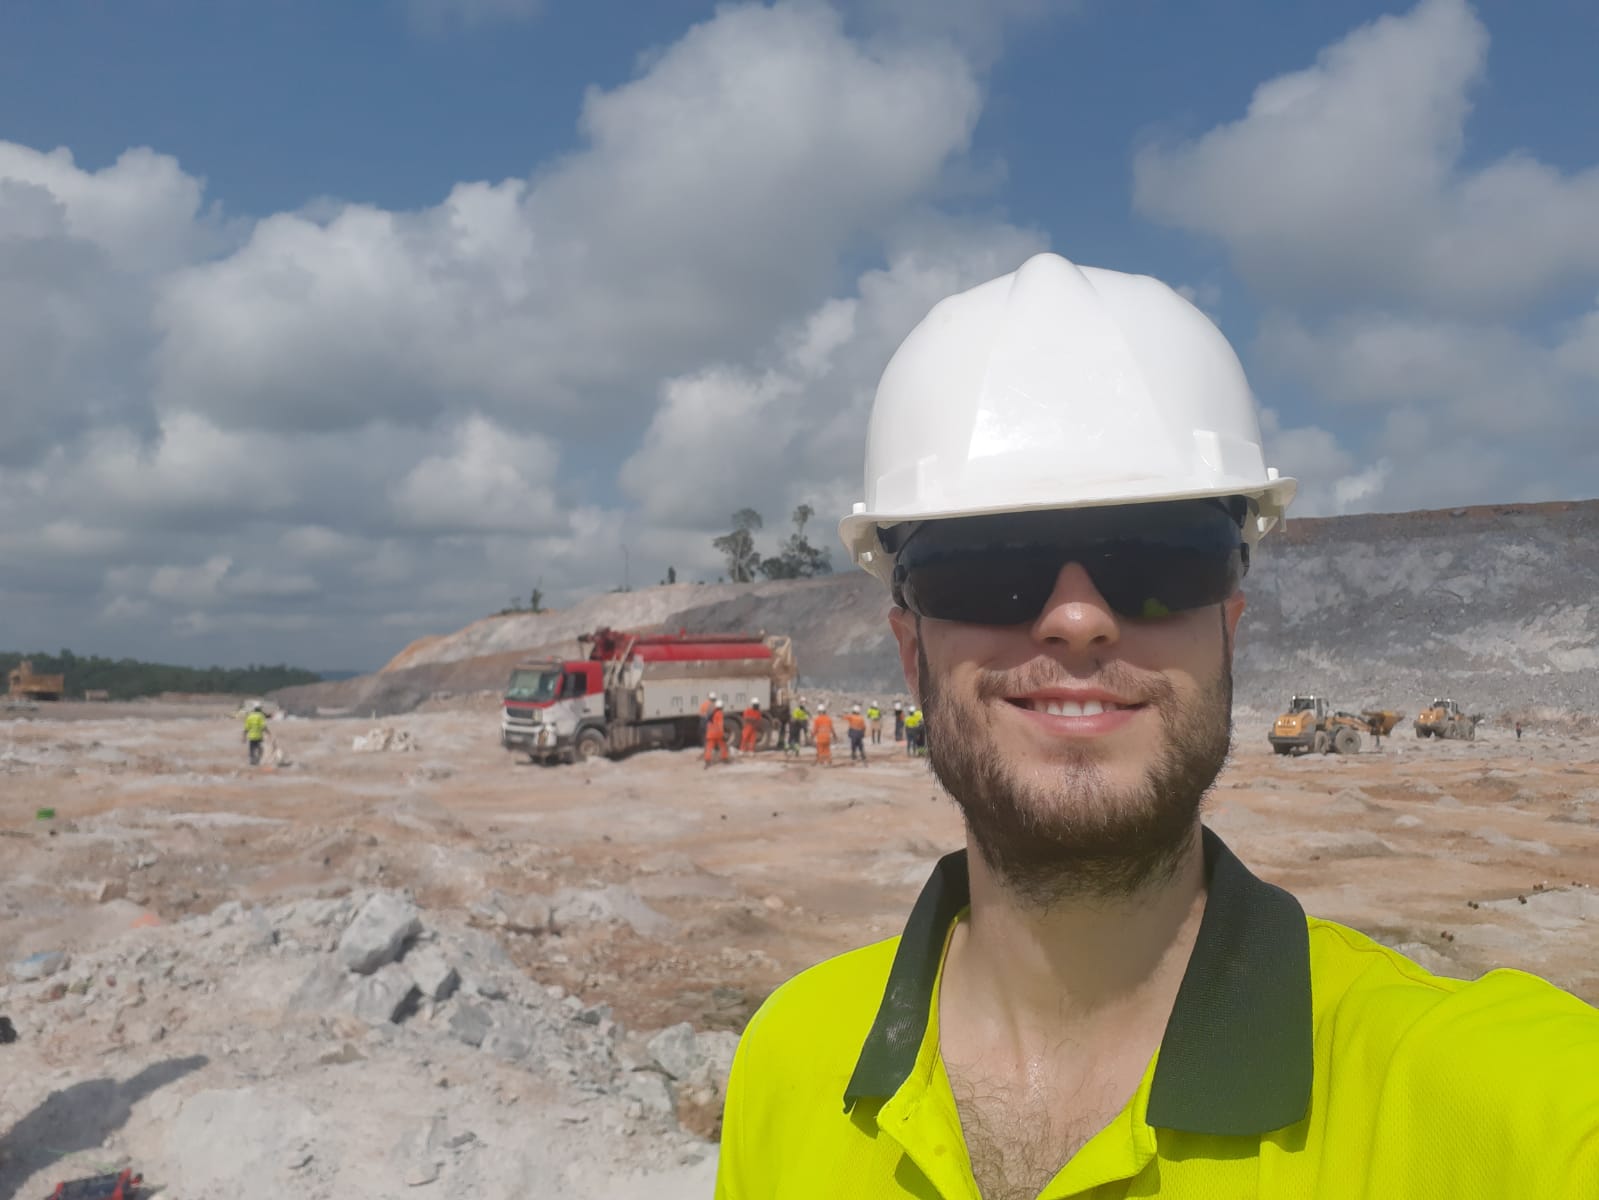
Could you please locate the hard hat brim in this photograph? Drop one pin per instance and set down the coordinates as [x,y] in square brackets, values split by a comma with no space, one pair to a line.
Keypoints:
[859,530]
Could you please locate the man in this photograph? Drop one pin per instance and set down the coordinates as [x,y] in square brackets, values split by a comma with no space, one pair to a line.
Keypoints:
[822,735]
[899,721]
[913,732]
[874,714]
[857,735]
[780,717]
[799,724]
[751,730]
[716,735]
[1095,998]
[255,732]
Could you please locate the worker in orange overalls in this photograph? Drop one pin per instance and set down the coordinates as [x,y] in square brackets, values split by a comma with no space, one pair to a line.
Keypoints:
[715,736]
[752,728]
[822,735]
[857,735]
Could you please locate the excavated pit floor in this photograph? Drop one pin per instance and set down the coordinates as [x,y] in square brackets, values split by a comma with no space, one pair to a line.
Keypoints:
[722,883]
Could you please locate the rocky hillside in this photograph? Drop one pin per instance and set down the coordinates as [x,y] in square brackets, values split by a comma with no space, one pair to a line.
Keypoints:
[1492,604]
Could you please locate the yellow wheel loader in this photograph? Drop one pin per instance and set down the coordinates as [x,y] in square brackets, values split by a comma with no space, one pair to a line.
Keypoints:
[1444,719]
[1310,726]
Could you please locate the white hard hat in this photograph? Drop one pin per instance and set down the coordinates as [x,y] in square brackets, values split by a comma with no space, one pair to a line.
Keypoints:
[255,706]
[1059,386]
[821,708]
[755,703]
[857,708]
[712,696]
[897,704]
[718,704]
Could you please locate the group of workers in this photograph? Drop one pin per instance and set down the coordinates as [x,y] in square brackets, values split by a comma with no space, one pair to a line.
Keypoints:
[796,727]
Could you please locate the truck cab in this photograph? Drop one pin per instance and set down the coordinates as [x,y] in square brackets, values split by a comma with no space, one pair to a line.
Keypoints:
[548,704]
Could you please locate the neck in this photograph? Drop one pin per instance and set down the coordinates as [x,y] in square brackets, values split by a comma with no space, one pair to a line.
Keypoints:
[1085,961]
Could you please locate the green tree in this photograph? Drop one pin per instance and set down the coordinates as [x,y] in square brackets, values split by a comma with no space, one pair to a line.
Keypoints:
[737,547]
[671,574]
[535,601]
[796,558]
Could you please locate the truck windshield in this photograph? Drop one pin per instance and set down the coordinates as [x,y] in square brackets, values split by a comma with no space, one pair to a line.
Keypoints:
[533,683]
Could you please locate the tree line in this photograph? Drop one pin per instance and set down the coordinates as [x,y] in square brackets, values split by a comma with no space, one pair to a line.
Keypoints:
[128,678]
[796,558]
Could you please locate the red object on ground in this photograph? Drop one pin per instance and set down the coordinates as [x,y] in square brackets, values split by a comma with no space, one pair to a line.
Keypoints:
[126,1186]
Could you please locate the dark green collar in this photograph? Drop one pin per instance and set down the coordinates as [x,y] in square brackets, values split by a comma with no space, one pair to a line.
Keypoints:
[1236,1056]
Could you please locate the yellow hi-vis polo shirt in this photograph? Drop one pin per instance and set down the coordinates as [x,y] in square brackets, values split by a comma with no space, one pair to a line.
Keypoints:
[1301,1059]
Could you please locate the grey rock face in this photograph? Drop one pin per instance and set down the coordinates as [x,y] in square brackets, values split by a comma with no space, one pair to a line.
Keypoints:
[470,1023]
[675,1051]
[432,973]
[38,966]
[384,996]
[379,933]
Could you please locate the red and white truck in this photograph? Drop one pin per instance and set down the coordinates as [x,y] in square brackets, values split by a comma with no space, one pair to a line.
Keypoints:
[639,691]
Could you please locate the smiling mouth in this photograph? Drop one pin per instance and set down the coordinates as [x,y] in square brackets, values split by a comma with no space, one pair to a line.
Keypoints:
[1072,708]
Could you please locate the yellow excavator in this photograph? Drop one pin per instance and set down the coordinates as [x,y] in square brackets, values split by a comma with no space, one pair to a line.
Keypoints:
[1310,726]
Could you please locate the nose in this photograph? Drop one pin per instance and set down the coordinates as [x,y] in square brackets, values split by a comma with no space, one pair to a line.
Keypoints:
[1076,617]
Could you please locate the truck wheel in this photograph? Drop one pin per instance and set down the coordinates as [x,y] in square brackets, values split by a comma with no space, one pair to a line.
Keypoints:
[1471,733]
[1346,741]
[590,745]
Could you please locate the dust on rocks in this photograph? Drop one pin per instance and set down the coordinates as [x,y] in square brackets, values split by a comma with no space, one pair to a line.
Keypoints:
[350,975]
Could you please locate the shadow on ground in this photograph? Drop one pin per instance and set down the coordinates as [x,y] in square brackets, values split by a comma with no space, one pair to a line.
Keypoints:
[80,1118]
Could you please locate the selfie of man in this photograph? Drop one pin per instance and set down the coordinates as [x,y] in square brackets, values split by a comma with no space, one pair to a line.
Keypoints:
[1064,488]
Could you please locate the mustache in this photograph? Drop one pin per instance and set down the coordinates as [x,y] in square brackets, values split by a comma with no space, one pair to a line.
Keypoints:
[1115,677]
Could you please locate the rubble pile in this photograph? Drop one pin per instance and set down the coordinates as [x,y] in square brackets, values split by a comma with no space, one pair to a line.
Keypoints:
[354,1047]
[381,738]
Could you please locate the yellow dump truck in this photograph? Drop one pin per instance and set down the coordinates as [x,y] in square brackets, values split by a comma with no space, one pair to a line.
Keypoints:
[1310,726]
[1444,719]
[25,685]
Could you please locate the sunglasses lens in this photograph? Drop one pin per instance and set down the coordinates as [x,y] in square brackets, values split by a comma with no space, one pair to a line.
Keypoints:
[986,574]
[991,589]
[1148,581]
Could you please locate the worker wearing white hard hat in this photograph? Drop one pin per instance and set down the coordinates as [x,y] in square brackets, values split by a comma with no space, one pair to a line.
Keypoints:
[1064,486]
[255,732]
[855,726]
[874,718]
[750,727]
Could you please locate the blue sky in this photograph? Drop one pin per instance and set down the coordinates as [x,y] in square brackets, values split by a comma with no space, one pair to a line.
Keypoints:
[343,323]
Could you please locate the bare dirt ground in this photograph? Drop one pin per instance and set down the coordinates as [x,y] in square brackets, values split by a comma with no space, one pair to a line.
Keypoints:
[626,897]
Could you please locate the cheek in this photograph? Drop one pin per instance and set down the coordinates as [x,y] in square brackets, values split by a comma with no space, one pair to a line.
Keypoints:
[1188,651]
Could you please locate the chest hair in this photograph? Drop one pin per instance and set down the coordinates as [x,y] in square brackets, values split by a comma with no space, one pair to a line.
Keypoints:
[1019,1134]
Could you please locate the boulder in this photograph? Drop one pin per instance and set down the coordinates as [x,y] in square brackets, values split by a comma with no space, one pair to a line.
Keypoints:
[379,933]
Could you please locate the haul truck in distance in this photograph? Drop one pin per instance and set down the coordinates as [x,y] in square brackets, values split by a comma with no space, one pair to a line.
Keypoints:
[641,691]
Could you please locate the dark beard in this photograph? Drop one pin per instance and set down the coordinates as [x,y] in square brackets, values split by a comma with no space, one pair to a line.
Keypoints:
[1077,839]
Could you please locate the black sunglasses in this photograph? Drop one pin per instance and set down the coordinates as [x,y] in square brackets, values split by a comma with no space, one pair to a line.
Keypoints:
[1148,561]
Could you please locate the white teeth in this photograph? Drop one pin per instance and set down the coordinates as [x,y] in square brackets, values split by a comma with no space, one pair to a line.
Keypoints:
[1071,708]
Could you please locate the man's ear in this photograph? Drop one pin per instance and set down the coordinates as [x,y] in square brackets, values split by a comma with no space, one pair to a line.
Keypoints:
[908,633]
[1232,609]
